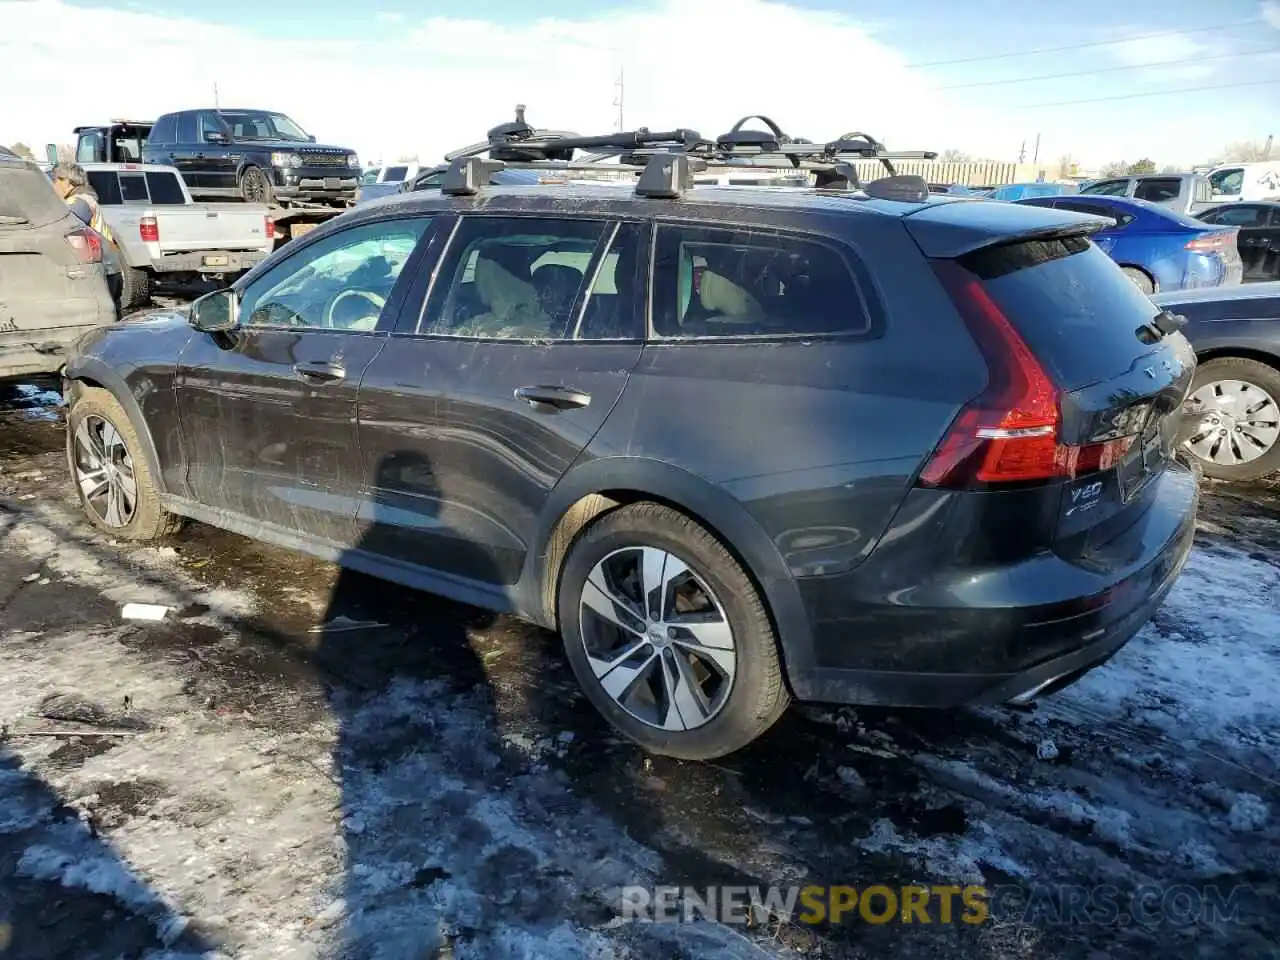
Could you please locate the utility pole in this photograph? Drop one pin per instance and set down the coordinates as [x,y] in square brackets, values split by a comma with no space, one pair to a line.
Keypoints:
[1022,152]
[216,104]
[1035,157]
[620,84]
[1266,151]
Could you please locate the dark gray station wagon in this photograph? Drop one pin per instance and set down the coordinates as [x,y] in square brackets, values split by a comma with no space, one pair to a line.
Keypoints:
[737,445]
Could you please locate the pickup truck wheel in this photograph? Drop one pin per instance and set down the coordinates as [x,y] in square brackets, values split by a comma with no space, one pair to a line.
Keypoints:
[1238,436]
[1140,279]
[110,472]
[254,186]
[135,287]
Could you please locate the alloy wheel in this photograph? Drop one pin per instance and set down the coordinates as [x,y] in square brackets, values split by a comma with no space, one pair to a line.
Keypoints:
[104,472]
[1240,422]
[657,638]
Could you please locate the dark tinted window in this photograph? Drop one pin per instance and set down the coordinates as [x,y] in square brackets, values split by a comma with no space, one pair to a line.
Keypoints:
[1096,209]
[751,283]
[1158,191]
[1237,216]
[207,122]
[106,184]
[1070,303]
[165,189]
[395,174]
[513,278]
[187,128]
[1108,188]
[133,188]
[615,303]
[164,130]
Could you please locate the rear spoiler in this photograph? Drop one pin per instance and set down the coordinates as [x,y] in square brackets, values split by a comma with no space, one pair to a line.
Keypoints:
[952,229]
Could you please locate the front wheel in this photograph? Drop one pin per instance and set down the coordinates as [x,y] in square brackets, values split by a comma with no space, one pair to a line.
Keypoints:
[254,186]
[1238,402]
[668,635]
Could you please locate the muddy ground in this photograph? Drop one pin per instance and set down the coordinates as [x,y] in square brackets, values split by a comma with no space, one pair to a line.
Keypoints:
[303,763]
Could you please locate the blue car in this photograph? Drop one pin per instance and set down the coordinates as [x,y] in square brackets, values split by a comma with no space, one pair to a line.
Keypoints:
[1025,191]
[1158,248]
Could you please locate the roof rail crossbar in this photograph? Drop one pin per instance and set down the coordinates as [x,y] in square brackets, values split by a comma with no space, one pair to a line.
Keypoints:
[467,175]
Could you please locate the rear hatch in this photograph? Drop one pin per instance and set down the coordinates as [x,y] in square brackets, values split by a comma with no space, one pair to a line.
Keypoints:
[1086,376]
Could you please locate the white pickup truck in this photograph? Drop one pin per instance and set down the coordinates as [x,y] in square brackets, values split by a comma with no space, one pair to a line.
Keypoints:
[163,235]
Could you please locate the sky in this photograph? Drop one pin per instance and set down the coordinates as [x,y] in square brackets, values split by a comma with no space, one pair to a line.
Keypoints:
[399,77]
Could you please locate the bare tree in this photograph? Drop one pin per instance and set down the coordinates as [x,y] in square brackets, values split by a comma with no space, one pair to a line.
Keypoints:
[1115,168]
[22,150]
[954,156]
[1067,166]
[1245,151]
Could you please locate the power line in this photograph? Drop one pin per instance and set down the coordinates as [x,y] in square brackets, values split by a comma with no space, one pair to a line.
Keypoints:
[1089,73]
[1083,46]
[1153,93]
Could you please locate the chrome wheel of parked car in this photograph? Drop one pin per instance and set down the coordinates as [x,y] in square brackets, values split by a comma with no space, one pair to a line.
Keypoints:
[657,638]
[1240,423]
[104,472]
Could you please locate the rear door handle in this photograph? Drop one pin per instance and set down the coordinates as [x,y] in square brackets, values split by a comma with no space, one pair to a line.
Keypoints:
[553,398]
[323,371]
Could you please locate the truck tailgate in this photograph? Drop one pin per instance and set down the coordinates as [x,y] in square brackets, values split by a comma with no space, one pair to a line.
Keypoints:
[212,226]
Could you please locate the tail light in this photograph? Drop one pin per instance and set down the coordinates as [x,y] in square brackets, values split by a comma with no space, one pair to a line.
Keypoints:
[1010,433]
[87,245]
[149,230]
[1213,242]
[270,227]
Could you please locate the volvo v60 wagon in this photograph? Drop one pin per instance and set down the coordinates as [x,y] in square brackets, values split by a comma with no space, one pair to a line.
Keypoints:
[737,447]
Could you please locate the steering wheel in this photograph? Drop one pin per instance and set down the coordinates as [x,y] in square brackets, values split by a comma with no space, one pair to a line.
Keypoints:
[377,302]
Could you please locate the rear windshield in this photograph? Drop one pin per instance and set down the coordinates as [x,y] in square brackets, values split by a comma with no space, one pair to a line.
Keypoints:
[1070,303]
[27,197]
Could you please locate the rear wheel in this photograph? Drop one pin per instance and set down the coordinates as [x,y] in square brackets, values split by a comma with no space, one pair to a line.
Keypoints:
[135,287]
[1140,279]
[112,478]
[254,186]
[668,635]
[1238,436]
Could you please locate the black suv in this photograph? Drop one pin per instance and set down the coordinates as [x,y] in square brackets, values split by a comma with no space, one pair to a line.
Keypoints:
[256,155]
[735,444]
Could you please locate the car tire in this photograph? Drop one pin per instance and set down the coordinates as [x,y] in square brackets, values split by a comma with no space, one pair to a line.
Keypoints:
[98,429]
[1140,279]
[1258,384]
[732,694]
[255,186]
[135,287]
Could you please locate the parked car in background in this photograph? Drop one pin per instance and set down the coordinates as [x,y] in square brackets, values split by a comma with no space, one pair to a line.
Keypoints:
[386,181]
[1259,237]
[1158,248]
[259,156]
[52,284]
[162,235]
[1021,191]
[1180,192]
[1247,182]
[1235,332]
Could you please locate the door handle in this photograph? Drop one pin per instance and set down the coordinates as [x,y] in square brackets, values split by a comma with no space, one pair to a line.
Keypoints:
[323,371]
[552,399]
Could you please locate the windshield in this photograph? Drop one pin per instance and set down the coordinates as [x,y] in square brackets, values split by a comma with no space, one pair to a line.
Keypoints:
[260,125]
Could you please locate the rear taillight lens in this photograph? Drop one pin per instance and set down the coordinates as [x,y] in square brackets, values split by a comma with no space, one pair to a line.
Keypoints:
[270,226]
[1009,433]
[1212,242]
[149,230]
[87,245]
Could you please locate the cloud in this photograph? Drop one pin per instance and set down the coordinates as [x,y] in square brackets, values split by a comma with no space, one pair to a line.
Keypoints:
[389,16]
[1270,11]
[442,82]
[1161,56]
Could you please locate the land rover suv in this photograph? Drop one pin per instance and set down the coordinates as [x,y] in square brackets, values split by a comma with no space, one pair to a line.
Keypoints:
[737,445]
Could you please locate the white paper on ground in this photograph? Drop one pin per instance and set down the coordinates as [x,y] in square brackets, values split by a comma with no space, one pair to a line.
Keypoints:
[144,611]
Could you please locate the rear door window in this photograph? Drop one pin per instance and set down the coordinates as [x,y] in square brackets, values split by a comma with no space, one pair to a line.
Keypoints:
[1158,190]
[163,131]
[1070,303]
[106,184]
[165,189]
[187,128]
[133,188]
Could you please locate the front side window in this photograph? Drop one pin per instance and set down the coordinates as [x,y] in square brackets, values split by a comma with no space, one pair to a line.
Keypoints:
[513,278]
[1227,182]
[207,123]
[339,283]
[87,147]
[745,282]
[262,125]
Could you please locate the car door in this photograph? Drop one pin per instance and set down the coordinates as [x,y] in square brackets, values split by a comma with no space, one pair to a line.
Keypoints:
[186,150]
[471,415]
[217,160]
[1256,239]
[1105,239]
[269,410]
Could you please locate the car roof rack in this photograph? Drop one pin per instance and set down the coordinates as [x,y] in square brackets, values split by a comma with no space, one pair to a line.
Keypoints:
[666,160]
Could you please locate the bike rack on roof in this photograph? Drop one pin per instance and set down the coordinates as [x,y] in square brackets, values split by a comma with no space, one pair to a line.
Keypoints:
[666,160]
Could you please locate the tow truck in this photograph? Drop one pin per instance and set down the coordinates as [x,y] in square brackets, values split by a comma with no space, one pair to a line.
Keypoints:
[121,141]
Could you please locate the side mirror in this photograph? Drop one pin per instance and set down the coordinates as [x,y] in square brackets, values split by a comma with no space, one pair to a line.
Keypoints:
[51,153]
[214,136]
[215,312]
[311,139]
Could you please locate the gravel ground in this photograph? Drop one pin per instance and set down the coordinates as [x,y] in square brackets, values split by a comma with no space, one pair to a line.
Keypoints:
[299,762]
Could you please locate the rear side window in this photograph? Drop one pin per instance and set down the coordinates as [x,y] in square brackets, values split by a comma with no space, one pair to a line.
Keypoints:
[106,184]
[133,188]
[164,130]
[165,189]
[752,283]
[1158,191]
[1237,216]
[1070,303]
[187,128]
[1108,188]
[395,174]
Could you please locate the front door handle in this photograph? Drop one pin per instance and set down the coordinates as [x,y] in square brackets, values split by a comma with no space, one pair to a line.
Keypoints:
[323,371]
[552,399]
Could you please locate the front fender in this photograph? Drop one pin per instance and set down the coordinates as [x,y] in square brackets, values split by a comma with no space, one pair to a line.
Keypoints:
[711,505]
[93,370]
